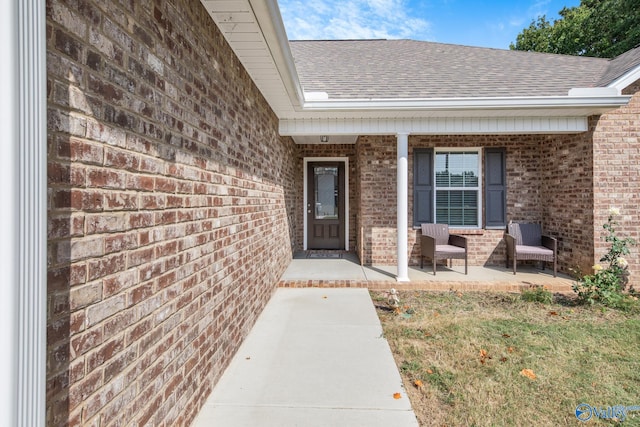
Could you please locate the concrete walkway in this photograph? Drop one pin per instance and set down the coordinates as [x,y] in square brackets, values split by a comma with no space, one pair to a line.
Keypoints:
[316,357]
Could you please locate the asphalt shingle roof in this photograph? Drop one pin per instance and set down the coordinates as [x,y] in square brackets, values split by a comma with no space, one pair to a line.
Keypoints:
[620,65]
[363,69]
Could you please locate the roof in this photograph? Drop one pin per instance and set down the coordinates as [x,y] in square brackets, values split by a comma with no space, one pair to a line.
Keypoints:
[349,87]
[620,66]
[382,69]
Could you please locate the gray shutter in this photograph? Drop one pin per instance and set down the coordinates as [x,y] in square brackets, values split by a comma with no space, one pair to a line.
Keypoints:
[422,186]
[495,187]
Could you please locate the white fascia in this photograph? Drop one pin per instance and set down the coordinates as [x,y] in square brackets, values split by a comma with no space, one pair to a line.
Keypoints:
[269,19]
[444,104]
[625,80]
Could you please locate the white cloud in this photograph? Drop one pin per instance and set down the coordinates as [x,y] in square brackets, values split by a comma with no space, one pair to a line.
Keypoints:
[351,19]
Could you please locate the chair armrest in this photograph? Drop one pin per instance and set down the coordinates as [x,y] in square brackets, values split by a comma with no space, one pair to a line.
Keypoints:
[457,240]
[511,243]
[427,245]
[550,243]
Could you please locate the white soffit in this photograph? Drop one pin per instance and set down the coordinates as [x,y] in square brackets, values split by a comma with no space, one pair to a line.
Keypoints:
[264,52]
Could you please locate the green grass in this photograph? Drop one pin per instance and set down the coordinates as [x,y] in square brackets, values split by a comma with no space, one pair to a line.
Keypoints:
[469,350]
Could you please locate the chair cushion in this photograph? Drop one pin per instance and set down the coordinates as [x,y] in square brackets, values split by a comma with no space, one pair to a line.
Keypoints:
[440,232]
[533,250]
[449,249]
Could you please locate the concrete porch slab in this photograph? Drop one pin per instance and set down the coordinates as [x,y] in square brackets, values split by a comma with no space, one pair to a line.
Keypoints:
[347,272]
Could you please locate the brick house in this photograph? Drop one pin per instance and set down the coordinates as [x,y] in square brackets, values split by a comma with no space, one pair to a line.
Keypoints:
[190,149]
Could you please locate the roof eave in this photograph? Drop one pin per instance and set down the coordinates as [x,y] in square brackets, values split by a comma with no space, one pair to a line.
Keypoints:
[591,104]
[626,79]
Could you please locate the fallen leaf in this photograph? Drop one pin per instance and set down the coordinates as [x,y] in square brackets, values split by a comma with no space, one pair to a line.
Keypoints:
[429,371]
[459,294]
[436,314]
[528,373]
[483,353]
[418,383]
[397,396]
[503,359]
[553,313]
[506,336]
[510,349]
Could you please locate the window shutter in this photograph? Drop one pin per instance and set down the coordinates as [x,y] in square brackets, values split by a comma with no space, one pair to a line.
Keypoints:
[422,186]
[495,187]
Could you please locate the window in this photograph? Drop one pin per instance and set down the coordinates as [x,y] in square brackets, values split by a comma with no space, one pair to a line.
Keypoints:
[457,188]
[447,187]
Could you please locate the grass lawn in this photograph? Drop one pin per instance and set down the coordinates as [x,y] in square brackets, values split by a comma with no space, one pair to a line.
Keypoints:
[492,359]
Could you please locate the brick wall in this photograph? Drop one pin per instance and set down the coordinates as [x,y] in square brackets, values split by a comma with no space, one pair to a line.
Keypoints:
[328,150]
[171,210]
[377,235]
[616,153]
[567,198]
[548,180]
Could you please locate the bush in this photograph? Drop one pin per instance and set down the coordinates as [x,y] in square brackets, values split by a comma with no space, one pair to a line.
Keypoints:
[537,294]
[608,282]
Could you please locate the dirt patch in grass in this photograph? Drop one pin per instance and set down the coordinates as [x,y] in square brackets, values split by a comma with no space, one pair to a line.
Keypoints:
[487,359]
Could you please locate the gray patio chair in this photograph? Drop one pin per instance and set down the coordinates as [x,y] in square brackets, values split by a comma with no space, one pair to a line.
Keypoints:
[526,242]
[436,243]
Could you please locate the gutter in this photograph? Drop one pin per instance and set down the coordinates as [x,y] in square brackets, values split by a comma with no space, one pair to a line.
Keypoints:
[448,104]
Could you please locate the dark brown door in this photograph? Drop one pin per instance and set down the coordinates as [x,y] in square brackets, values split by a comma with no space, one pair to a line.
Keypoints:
[325,205]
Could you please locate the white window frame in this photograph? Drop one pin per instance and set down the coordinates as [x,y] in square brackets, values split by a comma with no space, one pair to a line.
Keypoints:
[478,188]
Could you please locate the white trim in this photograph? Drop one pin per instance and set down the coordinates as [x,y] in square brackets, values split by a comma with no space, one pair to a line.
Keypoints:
[9,214]
[402,197]
[487,103]
[628,78]
[23,155]
[479,188]
[268,15]
[433,126]
[344,160]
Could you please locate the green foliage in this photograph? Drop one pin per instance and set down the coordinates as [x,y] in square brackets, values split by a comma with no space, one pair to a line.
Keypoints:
[537,294]
[607,284]
[600,28]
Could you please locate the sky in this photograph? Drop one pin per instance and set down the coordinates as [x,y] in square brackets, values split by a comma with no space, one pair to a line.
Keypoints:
[493,24]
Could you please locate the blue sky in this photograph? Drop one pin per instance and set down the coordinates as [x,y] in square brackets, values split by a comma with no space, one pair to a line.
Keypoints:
[488,24]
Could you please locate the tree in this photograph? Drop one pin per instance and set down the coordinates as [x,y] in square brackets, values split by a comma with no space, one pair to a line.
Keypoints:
[601,28]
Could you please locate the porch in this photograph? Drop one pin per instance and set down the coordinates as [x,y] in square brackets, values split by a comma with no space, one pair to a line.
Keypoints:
[338,269]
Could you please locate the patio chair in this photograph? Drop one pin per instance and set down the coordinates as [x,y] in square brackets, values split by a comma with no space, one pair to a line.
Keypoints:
[436,243]
[526,242]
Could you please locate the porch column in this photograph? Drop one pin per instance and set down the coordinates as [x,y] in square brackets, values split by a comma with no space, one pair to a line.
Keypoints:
[403,201]
[23,218]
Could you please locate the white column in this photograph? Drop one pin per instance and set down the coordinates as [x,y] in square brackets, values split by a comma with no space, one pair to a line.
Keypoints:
[403,201]
[23,225]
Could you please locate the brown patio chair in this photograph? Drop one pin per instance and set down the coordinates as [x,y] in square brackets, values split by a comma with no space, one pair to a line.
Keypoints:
[436,243]
[526,242]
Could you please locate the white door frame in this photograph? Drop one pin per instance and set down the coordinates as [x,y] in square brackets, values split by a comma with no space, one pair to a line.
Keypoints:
[344,160]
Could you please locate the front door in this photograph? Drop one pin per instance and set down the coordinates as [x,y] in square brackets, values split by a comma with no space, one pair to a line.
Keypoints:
[325,205]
